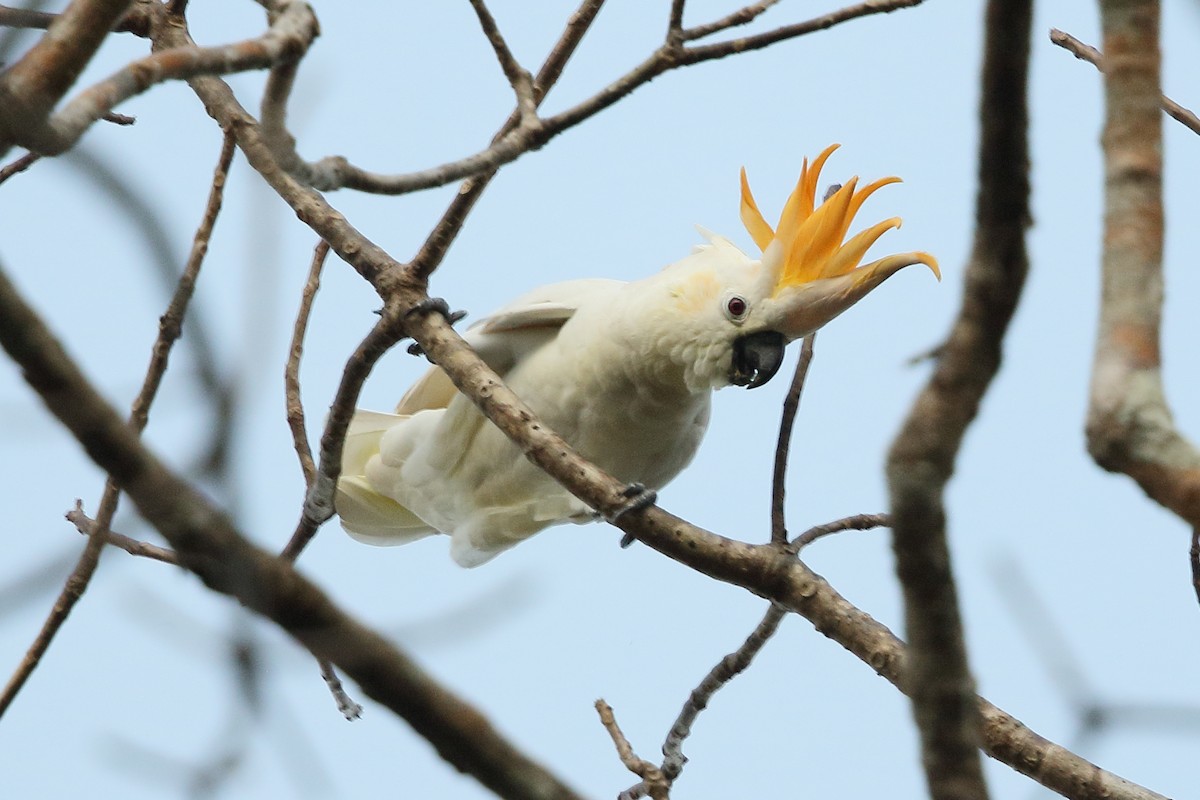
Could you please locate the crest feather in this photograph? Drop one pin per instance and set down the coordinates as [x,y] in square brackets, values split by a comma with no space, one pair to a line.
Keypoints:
[811,238]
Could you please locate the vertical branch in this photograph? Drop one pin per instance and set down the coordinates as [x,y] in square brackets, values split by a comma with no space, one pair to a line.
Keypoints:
[1129,425]
[170,328]
[791,404]
[937,676]
[291,373]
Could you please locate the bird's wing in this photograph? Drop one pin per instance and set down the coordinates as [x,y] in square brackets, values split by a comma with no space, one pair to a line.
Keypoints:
[511,333]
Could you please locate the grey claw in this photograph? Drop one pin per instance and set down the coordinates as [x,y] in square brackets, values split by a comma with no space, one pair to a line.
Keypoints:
[639,498]
[427,306]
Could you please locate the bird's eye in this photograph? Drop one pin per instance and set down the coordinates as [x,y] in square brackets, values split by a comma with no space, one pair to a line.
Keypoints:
[736,308]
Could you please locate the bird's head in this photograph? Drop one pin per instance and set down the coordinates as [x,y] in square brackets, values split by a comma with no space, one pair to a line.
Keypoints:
[745,311]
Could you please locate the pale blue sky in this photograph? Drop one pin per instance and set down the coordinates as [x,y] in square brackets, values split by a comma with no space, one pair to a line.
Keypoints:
[569,617]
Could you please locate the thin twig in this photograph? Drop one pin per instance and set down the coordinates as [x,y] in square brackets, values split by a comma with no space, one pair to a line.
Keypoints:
[446,230]
[350,709]
[291,373]
[318,503]
[742,16]
[725,670]
[533,132]
[18,166]
[518,77]
[738,661]
[655,782]
[169,329]
[791,404]
[89,527]
[1086,52]
[856,522]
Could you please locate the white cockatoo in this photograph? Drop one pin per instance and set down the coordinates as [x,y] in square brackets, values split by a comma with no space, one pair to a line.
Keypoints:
[623,371]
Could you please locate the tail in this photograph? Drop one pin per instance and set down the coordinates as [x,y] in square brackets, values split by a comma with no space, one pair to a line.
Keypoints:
[367,515]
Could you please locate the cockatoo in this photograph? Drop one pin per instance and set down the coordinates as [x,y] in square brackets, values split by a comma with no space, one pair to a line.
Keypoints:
[623,371]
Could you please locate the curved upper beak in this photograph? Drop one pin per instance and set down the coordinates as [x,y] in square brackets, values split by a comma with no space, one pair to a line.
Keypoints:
[802,308]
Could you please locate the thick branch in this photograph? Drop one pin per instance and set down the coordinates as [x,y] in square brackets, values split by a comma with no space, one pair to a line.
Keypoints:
[922,457]
[207,543]
[30,88]
[1129,426]
[24,121]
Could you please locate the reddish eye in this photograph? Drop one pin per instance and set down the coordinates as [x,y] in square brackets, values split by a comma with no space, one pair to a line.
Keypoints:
[736,307]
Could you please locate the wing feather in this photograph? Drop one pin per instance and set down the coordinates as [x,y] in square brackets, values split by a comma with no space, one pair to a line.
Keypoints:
[509,335]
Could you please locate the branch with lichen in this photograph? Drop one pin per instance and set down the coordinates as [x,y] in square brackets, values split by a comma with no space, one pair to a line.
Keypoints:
[1130,428]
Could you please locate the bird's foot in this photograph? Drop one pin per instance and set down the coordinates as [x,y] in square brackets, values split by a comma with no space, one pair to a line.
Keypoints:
[428,306]
[639,498]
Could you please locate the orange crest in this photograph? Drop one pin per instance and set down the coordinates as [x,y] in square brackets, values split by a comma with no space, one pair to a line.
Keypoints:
[811,236]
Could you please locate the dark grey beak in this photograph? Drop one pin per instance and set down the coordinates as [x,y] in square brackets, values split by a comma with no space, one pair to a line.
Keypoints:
[756,358]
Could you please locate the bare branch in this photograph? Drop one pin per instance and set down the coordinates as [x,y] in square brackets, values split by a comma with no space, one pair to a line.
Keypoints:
[24,120]
[208,544]
[725,670]
[169,328]
[532,132]
[1093,56]
[444,232]
[318,503]
[675,21]
[349,709]
[291,373]
[16,167]
[518,77]
[1130,428]
[746,44]
[652,778]
[791,403]
[135,20]
[922,457]
[742,16]
[31,87]
[89,527]
[857,522]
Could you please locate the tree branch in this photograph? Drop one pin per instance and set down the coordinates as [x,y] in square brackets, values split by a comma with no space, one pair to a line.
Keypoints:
[791,404]
[652,778]
[742,16]
[291,373]
[1093,56]
[209,545]
[25,104]
[170,326]
[1129,424]
[532,132]
[90,527]
[922,457]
